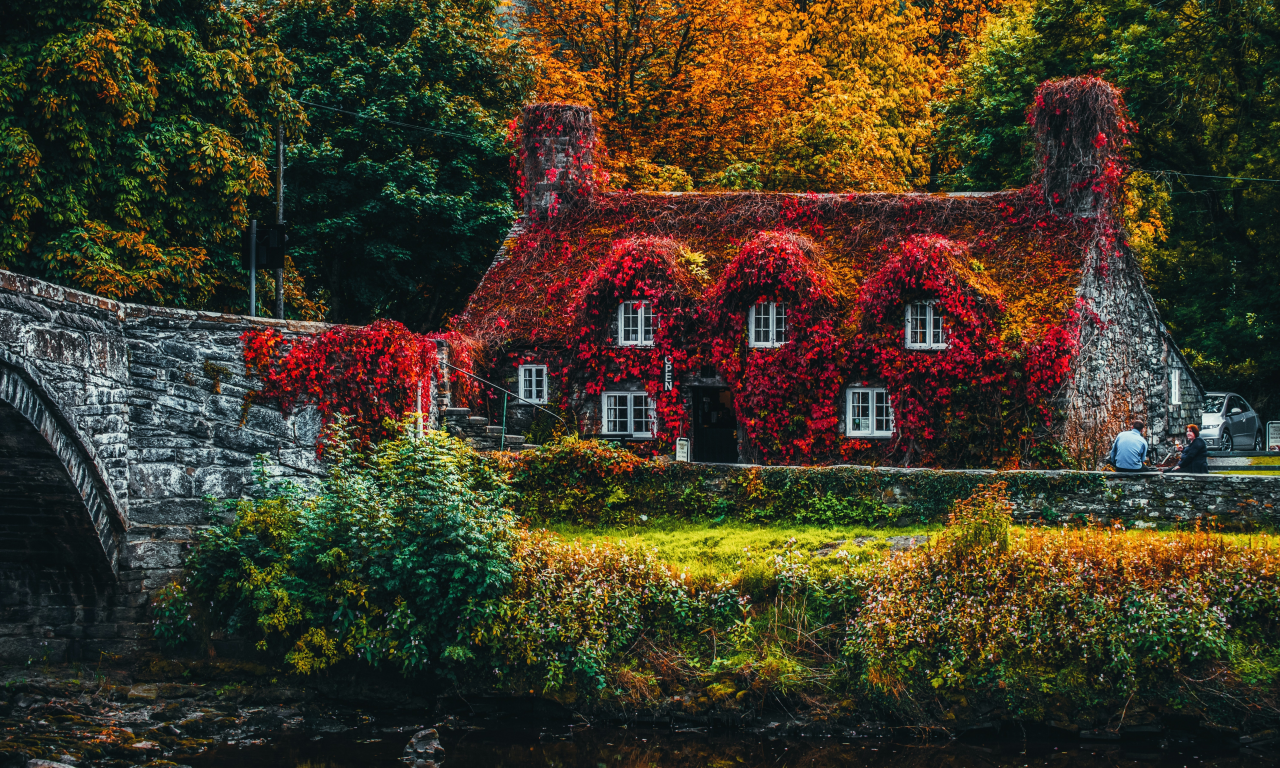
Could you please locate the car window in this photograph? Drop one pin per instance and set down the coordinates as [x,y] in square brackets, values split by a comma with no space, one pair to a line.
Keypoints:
[1243,405]
[1214,403]
[1233,403]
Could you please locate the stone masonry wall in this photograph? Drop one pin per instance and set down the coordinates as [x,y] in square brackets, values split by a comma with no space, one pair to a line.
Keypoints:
[1126,361]
[1138,500]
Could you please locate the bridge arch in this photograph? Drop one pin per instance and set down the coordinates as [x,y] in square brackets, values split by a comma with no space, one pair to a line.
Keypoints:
[57,510]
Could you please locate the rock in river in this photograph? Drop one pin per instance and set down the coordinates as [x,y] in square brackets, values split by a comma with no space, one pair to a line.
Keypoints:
[424,750]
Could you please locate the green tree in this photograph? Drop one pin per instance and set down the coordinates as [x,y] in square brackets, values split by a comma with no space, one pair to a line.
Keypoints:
[132,143]
[382,564]
[1202,80]
[392,220]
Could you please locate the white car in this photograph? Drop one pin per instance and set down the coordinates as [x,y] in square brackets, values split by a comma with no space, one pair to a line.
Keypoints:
[1229,423]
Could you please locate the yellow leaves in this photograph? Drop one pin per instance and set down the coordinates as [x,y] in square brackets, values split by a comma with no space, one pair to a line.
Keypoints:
[686,84]
[314,651]
[827,96]
[1146,208]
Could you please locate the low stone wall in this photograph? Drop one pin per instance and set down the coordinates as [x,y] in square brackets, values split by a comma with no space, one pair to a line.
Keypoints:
[879,495]
[1142,500]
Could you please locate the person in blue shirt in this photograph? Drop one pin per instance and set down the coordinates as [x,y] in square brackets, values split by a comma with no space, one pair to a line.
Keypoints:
[1129,450]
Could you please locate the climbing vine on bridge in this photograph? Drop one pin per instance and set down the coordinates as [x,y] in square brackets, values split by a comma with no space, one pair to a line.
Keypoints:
[373,375]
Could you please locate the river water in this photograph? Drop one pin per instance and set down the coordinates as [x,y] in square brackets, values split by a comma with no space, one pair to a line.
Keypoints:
[509,747]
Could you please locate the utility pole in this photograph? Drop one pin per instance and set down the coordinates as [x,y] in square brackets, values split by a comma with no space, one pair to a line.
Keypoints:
[280,214]
[253,268]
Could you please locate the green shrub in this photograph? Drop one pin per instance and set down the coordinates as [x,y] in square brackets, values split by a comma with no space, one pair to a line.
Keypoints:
[380,565]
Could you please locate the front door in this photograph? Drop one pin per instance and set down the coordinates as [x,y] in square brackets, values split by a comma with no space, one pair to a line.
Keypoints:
[715,427]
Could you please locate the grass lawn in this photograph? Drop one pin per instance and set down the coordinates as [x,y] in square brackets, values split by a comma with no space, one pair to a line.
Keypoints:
[714,549]
[709,550]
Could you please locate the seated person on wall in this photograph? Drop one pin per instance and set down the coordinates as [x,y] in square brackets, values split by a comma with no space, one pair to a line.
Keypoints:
[1195,456]
[1129,451]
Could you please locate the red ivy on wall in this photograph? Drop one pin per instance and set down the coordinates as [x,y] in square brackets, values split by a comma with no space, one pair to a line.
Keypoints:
[785,397]
[975,401]
[643,269]
[371,374]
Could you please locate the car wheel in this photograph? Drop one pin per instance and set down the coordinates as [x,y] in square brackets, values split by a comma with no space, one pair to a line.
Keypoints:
[1257,441]
[1227,443]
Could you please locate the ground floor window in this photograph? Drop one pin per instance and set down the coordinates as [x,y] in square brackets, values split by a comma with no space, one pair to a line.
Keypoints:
[533,383]
[628,413]
[868,412]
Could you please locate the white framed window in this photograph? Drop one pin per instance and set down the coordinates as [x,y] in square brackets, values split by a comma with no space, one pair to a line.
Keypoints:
[628,413]
[533,383]
[767,324]
[924,327]
[867,412]
[635,324]
[1175,387]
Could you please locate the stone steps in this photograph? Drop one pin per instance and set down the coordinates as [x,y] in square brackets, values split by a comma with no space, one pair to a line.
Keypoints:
[479,434]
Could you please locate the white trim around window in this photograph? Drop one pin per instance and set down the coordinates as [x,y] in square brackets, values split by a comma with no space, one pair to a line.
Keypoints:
[533,383]
[635,324]
[924,327]
[627,413]
[767,324]
[1175,386]
[867,412]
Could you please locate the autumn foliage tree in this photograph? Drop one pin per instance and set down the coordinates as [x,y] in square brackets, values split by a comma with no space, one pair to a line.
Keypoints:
[748,94]
[133,139]
[691,85]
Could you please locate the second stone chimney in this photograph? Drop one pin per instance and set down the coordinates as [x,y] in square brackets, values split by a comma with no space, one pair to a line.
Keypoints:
[1080,128]
[558,164]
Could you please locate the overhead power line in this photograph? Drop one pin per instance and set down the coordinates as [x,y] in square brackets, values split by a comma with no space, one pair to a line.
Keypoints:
[1207,176]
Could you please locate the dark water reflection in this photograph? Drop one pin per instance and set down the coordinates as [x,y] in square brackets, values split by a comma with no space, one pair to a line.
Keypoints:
[509,747]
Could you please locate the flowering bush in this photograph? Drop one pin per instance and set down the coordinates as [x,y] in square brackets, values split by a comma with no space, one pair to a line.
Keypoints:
[1088,614]
[574,611]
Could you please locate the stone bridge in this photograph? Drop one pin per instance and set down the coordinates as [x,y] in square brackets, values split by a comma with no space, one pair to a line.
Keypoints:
[117,421]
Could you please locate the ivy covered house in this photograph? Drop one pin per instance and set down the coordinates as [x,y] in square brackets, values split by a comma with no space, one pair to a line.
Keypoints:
[972,329]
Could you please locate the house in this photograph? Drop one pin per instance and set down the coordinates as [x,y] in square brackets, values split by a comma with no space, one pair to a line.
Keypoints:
[999,329]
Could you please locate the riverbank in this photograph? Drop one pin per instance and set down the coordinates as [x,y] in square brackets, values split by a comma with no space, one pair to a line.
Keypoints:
[124,718]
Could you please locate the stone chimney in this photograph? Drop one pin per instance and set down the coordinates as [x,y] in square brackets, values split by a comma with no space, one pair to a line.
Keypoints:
[1080,126]
[558,165]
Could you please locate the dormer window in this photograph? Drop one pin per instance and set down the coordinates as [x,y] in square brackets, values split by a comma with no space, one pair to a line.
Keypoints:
[767,324]
[533,383]
[924,327]
[635,324]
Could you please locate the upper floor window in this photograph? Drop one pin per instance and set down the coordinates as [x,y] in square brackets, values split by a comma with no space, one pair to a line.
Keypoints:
[1175,387]
[767,324]
[533,383]
[635,324]
[628,413]
[868,413]
[924,327]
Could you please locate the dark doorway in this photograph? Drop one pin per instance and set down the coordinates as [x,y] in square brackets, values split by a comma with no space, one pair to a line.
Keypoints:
[715,427]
